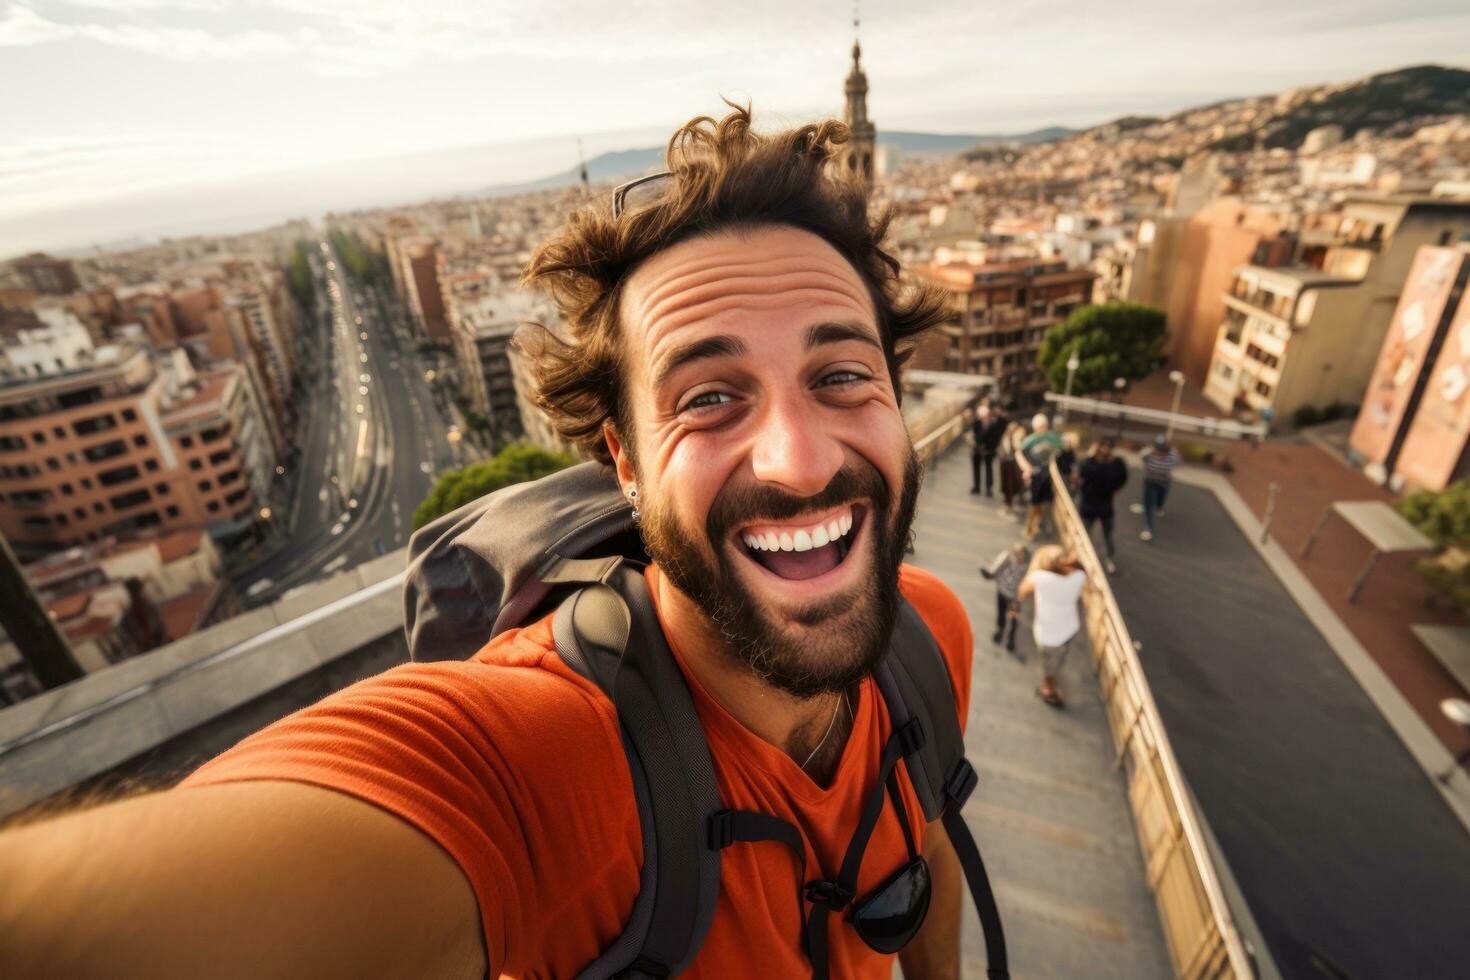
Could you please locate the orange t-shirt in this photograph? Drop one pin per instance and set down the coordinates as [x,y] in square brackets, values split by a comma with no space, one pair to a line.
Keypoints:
[512,762]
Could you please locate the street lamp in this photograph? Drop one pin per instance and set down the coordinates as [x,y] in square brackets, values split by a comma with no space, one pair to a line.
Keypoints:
[1073,363]
[1118,385]
[1178,378]
[1456,710]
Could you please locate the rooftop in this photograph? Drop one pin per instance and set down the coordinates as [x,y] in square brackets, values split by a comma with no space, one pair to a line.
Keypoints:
[1296,279]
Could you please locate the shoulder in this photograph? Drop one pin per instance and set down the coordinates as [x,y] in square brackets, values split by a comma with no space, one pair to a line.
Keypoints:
[944,614]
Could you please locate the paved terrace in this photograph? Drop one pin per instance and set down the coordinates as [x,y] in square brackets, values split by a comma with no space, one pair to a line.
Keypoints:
[1050,813]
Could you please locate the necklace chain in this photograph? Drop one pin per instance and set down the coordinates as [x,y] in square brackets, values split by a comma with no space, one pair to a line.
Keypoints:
[831,727]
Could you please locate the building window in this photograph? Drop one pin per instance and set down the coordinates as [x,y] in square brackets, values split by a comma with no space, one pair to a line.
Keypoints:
[140,441]
[58,432]
[194,464]
[125,500]
[107,450]
[98,508]
[186,441]
[66,489]
[52,463]
[12,444]
[171,511]
[1224,370]
[1263,389]
[129,415]
[205,486]
[37,520]
[61,519]
[118,474]
[151,465]
[39,438]
[95,424]
[79,512]
[217,458]
[212,506]
[161,489]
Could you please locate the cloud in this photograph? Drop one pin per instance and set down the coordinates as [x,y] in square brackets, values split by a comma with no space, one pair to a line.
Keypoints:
[23,26]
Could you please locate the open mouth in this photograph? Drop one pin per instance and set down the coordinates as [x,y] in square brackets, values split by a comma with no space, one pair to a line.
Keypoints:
[807,547]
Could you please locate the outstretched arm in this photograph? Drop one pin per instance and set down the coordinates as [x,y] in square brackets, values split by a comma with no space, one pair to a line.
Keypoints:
[246,879]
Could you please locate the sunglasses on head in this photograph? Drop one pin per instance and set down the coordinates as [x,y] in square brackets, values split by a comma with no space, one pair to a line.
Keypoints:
[639,193]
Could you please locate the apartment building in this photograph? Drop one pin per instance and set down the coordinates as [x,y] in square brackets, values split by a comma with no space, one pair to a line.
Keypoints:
[46,274]
[1414,427]
[1309,334]
[483,330]
[100,442]
[999,313]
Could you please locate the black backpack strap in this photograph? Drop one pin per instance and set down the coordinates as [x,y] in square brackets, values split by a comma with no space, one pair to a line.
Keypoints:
[915,684]
[609,633]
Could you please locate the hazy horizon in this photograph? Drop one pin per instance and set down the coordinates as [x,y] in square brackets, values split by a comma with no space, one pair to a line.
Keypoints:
[150,117]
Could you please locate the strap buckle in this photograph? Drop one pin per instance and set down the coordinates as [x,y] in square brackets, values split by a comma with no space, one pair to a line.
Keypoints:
[960,782]
[831,894]
[721,830]
[911,736]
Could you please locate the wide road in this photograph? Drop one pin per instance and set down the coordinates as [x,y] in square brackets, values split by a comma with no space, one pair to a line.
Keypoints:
[373,443]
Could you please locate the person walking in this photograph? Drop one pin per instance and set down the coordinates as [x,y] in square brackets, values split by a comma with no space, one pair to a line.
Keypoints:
[1007,571]
[1158,476]
[1055,581]
[1011,483]
[1035,456]
[1099,479]
[986,430]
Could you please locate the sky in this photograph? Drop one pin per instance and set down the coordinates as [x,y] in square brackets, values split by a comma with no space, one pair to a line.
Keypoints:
[142,117]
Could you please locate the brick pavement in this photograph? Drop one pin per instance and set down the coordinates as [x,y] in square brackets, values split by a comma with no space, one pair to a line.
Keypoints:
[1394,598]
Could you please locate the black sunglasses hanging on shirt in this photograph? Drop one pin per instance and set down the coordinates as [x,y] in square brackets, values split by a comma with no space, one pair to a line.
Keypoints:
[889,916]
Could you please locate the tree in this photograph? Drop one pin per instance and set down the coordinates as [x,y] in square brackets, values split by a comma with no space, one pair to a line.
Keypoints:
[1114,340]
[516,463]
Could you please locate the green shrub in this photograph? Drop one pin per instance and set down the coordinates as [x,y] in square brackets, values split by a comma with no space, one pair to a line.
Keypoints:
[1112,340]
[516,463]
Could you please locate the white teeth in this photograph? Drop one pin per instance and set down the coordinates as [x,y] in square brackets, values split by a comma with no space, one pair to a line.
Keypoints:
[772,543]
[802,541]
[847,522]
[820,536]
[786,543]
[834,529]
[753,542]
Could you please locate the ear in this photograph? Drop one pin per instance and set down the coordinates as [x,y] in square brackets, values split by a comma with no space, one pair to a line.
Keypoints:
[622,459]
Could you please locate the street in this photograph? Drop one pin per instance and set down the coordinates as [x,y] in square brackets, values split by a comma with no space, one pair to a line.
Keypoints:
[372,443]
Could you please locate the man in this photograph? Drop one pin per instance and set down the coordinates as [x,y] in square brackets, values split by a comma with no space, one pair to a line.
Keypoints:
[1158,476]
[735,335]
[1055,582]
[1034,457]
[1099,479]
[986,430]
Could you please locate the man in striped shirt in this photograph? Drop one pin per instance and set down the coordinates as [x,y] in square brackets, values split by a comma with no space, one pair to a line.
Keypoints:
[1158,475]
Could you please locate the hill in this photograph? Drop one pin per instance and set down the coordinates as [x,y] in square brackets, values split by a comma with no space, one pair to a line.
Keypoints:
[622,163]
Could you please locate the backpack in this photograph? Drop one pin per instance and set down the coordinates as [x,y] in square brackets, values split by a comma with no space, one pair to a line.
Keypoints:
[568,543]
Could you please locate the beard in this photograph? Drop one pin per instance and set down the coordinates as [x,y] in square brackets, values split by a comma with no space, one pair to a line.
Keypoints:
[840,639]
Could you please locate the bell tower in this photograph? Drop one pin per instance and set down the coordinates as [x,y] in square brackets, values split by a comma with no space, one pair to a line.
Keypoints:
[858,158]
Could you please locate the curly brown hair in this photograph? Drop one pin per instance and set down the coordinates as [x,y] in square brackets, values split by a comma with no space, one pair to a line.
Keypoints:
[724,176]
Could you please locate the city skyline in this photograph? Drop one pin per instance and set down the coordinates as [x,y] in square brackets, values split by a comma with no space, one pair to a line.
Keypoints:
[207,96]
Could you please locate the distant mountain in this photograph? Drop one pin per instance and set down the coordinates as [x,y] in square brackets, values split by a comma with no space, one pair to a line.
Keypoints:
[1377,102]
[622,163]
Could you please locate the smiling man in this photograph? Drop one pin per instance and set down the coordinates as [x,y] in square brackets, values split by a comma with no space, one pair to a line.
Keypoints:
[735,337]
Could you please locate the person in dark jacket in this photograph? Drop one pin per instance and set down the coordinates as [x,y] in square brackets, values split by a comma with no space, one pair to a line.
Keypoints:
[1099,479]
[986,429]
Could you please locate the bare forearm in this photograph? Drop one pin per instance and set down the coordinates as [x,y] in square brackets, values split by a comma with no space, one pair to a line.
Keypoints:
[934,954]
[241,880]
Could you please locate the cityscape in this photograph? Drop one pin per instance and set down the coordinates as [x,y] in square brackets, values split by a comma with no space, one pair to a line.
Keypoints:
[215,450]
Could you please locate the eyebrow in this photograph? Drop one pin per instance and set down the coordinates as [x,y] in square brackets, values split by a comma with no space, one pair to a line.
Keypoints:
[727,346]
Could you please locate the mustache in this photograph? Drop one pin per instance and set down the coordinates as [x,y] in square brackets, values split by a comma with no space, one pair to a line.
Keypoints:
[762,502]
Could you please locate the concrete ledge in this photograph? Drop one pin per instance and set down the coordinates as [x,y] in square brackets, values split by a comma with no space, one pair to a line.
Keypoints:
[78,732]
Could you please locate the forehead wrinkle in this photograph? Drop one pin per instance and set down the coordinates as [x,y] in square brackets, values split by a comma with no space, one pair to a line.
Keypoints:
[751,284]
[716,306]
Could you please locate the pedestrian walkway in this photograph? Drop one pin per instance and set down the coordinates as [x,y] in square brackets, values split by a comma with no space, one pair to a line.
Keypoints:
[1051,813]
[1351,862]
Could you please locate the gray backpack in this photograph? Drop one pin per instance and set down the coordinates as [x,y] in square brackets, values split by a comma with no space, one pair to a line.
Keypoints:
[567,543]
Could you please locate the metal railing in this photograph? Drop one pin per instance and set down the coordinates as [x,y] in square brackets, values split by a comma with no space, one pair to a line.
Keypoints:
[1204,425]
[1199,927]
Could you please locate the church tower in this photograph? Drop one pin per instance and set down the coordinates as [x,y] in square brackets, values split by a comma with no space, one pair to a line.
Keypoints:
[858,157]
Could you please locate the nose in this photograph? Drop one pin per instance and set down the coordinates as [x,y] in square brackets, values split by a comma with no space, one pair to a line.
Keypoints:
[793,448]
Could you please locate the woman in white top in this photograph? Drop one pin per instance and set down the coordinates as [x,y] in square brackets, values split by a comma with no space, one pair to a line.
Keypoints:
[1056,582]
